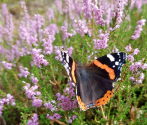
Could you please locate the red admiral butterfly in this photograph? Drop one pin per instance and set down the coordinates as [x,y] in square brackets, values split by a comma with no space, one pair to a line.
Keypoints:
[94,82]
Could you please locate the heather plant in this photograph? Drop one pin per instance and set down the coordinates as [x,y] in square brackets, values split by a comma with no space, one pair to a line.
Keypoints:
[35,88]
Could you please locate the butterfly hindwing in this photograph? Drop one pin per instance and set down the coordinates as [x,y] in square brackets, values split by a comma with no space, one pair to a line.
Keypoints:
[90,88]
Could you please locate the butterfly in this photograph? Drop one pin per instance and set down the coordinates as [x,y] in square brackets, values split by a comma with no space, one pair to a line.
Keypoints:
[94,81]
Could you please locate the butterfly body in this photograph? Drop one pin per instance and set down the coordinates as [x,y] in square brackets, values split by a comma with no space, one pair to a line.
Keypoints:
[94,82]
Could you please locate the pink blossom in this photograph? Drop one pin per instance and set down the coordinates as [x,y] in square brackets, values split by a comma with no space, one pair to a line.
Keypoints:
[81,27]
[98,15]
[37,102]
[51,30]
[65,102]
[119,10]
[70,120]
[31,91]
[74,117]
[9,99]
[128,48]
[138,29]
[130,58]
[87,8]
[38,59]
[34,79]
[65,33]
[136,51]
[7,65]
[47,44]
[70,49]
[33,120]
[101,43]
[132,78]
[50,14]
[23,72]
[50,105]
[59,6]
[57,116]
[7,29]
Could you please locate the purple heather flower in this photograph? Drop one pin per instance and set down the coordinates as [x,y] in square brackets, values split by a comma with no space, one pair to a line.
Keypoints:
[74,117]
[136,51]
[47,44]
[57,116]
[87,8]
[6,100]
[38,59]
[101,43]
[70,49]
[132,78]
[51,117]
[34,79]
[138,29]
[33,120]
[7,28]
[23,72]
[7,65]
[39,21]
[130,58]
[59,6]
[47,116]
[58,95]
[136,69]
[89,57]
[52,30]
[31,91]
[98,15]
[65,33]
[50,14]
[37,102]
[50,106]
[66,103]
[70,120]
[128,48]
[81,27]
[70,90]
[119,10]
[144,66]
[23,5]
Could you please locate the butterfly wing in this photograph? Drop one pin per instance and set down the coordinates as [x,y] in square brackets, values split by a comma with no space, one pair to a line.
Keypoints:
[69,65]
[95,81]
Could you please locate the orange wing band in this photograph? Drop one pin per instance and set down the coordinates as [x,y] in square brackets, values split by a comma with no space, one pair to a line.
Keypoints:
[104,99]
[99,102]
[73,71]
[108,69]
[82,104]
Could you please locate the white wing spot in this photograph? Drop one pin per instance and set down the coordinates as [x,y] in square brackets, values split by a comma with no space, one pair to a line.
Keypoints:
[67,58]
[116,63]
[111,57]
[113,65]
